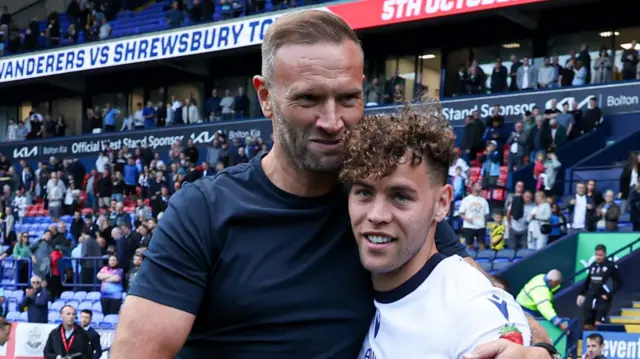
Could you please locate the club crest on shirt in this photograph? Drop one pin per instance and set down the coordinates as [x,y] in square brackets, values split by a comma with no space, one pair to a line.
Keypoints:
[511,333]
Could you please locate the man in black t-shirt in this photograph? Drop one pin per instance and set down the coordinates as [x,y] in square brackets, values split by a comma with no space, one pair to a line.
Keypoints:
[259,261]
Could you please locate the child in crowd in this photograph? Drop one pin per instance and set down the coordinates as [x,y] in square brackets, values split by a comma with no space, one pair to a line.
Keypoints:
[458,183]
[497,231]
[539,171]
[551,168]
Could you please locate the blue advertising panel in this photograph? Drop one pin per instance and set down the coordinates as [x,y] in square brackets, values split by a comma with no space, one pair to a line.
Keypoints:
[612,99]
[617,345]
[158,139]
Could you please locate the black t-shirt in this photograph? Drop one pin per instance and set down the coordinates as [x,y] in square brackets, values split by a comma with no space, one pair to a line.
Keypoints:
[268,274]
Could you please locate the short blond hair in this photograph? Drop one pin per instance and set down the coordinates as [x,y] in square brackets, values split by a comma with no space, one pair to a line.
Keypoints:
[308,27]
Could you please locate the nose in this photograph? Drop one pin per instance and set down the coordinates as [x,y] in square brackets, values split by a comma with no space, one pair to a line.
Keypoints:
[378,212]
[330,121]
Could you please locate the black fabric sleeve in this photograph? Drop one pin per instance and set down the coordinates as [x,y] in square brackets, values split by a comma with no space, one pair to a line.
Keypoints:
[177,265]
[447,242]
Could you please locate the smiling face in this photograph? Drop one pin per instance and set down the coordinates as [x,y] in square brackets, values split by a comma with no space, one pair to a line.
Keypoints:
[394,218]
[315,94]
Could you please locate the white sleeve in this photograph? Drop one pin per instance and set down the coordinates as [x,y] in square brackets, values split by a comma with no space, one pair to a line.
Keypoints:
[487,211]
[488,317]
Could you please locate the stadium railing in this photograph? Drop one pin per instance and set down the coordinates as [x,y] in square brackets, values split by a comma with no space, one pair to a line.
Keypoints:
[13,264]
[76,266]
[572,338]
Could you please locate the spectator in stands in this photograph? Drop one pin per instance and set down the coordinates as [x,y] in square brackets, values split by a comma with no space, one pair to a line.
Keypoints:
[566,120]
[190,113]
[472,137]
[72,34]
[538,219]
[608,213]
[111,290]
[581,209]
[497,232]
[539,139]
[580,74]
[460,82]
[227,104]
[110,116]
[558,224]
[94,337]
[558,133]
[459,184]
[105,189]
[55,280]
[160,202]
[539,171]
[52,33]
[499,77]
[513,73]
[592,116]
[118,187]
[212,107]
[495,129]
[634,206]
[546,74]
[137,262]
[592,191]
[175,16]
[475,85]
[527,77]
[603,67]
[60,127]
[517,142]
[474,210]
[551,168]
[629,180]
[36,300]
[55,194]
[68,338]
[630,62]
[71,198]
[490,161]
[90,249]
[595,346]
[241,104]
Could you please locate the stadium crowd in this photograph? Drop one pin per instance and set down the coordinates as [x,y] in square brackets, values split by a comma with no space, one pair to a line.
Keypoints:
[55,215]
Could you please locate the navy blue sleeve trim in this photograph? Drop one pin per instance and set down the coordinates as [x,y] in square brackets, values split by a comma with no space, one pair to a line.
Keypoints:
[177,266]
[447,242]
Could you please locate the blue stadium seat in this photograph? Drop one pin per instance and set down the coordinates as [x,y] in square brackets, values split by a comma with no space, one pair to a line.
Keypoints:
[485,265]
[96,319]
[57,305]
[525,252]
[505,254]
[13,316]
[85,305]
[66,295]
[93,296]
[79,296]
[487,254]
[110,321]
[74,304]
[23,317]
[500,265]
[96,307]
[53,316]
[472,253]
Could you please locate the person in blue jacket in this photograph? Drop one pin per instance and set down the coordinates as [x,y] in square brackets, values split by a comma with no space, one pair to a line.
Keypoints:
[36,301]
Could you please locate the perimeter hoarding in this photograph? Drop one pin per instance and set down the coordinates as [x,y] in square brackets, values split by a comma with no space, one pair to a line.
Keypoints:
[617,345]
[28,341]
[224,35]
[612,99]
[156,140]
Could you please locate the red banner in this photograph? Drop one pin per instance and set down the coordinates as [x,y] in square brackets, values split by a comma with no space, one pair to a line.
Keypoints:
[371,13]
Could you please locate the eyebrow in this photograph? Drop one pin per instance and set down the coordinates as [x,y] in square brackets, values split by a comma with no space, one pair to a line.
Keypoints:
[394,188]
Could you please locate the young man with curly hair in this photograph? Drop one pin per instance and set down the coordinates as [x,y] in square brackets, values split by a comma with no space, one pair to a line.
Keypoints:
[428,305]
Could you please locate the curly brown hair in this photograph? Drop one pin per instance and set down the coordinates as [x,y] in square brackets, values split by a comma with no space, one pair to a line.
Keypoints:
[374,147]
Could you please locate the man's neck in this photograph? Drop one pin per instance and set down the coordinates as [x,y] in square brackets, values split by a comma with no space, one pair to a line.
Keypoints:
[68,327]
[284,174]
[388,281]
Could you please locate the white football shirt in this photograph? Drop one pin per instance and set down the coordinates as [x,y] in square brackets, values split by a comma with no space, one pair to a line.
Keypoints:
[444,311]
